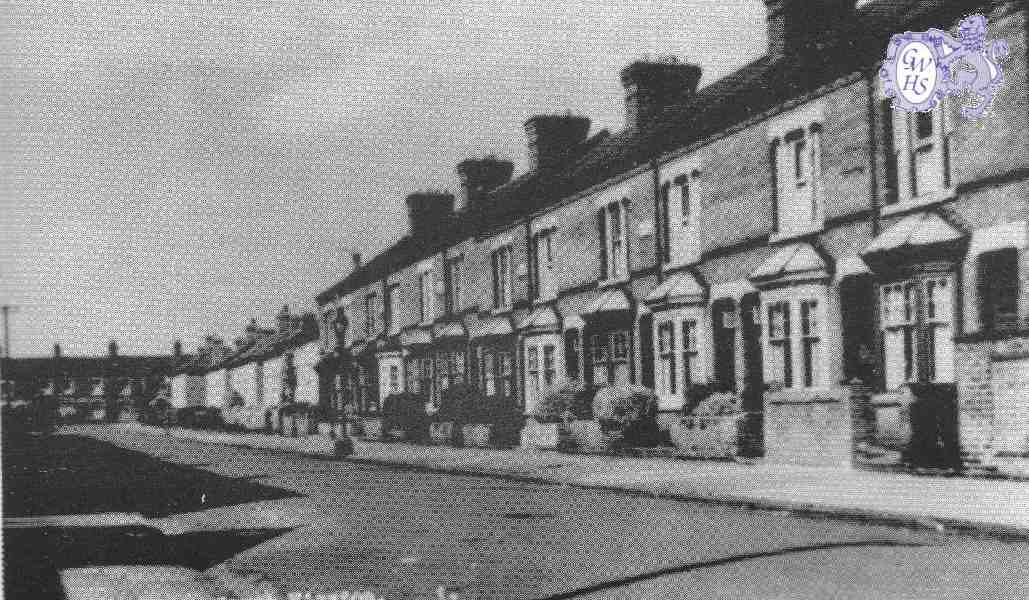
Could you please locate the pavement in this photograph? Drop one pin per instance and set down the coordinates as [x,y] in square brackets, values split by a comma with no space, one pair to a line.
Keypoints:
[991,507]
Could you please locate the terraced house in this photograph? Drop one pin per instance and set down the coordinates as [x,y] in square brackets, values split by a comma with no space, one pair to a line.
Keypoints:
[857,275]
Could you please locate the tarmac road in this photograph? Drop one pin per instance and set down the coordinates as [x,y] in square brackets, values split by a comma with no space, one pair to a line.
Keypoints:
[403,533]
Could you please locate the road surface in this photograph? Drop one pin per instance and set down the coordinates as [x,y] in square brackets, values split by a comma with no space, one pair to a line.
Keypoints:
[402,533]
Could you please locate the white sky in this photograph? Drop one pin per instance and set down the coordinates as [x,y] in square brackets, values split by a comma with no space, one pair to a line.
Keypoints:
[170,169]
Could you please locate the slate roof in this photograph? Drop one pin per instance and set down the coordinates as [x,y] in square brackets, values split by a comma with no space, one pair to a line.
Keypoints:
[753,89]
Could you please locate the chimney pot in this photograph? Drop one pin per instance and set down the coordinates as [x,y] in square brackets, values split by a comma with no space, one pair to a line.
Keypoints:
[797,27]
[479,177]
[650,86]
[356,258]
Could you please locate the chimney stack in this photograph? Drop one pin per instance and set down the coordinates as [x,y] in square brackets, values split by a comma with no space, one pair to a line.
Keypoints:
[112,349]
[356,258]
[798,27]
[177,349]
[650,86]
[479,177]
[428,212]
[57,351]
[553,137]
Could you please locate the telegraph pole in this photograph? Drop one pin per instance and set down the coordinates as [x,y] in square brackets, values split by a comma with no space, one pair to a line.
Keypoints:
[7,309]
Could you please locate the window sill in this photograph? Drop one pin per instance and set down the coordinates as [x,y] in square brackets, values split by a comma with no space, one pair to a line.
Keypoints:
[783,236]
[606,283]
[911,205]
[679,265]
[505,310]
[543,301]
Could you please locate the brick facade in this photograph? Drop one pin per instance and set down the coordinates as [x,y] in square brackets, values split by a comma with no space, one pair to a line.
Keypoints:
[797,229]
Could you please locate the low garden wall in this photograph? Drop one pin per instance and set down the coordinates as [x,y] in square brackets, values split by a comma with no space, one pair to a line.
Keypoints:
[809,427]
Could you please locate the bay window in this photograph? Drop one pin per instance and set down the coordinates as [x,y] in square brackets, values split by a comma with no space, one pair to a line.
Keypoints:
[794,353]
[541,364]
[609,356]
[917,330]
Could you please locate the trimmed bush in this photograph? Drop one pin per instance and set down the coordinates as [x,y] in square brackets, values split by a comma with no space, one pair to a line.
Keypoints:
[405,411]
[719,404]
[199,417]
[566,401]
[629,412]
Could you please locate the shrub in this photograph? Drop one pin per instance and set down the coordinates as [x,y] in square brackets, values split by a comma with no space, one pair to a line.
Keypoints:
[566,401]
[719,404]
[628,410]
[404,411]
[695,394]
[199,417]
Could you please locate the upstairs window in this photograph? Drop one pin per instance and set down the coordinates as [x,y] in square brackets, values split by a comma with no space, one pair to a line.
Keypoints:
[455,291]
[371,309]
[612,223]
[503,279]
[798,168]
[427,296]
[919,165]
[998,290]
[678,220]
[393,307]
[543,253]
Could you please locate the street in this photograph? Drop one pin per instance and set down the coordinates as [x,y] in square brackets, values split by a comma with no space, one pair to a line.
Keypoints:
[402,533]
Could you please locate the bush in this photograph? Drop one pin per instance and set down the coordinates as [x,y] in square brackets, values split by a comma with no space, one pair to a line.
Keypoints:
[199,417]
[405,411]
[566,401]
[628,410]
[718,405]
[695,394]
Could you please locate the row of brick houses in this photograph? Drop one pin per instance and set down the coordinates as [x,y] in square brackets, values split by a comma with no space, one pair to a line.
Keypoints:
[780,233]
[264,368]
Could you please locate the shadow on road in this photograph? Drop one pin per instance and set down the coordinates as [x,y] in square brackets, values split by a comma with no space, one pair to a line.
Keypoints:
[35,557]
[60,475]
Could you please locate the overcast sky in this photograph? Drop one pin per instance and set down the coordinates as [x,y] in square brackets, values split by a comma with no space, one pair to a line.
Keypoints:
[173,168]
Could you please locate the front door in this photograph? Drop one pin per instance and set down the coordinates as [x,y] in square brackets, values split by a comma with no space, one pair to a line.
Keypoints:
[724,327]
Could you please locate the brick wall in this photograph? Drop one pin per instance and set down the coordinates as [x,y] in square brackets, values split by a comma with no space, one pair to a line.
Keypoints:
[993,401]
